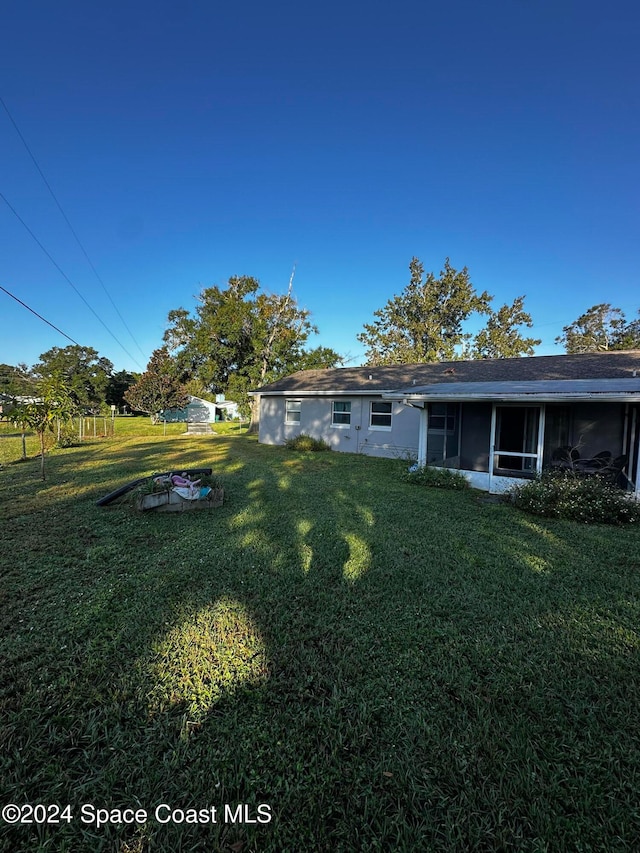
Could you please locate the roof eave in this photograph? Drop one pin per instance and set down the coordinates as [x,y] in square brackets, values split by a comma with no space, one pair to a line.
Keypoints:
[292,392]
[515,398]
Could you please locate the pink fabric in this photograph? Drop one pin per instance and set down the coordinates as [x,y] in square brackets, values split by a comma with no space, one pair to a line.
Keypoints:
[183,482]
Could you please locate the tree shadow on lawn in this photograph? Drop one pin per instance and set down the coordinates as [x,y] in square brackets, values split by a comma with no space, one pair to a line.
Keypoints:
[328,644]
[92,471]
[141,457]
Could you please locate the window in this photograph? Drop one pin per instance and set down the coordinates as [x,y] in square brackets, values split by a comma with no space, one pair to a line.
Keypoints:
[340,414]
[292,412]
[442,417]
[380,415]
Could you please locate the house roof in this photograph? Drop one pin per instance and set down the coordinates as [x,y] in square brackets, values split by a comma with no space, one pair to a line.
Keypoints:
[199,401]
[564,390]
[410,377]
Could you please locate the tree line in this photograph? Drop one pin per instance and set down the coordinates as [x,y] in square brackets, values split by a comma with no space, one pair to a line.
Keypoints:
[239,337]
[88,378]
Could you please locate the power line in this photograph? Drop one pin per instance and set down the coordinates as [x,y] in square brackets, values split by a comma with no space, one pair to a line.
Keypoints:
[44,319]
[67,279]
[71,228]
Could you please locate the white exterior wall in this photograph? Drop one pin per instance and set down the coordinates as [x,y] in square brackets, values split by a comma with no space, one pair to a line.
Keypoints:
[400,441]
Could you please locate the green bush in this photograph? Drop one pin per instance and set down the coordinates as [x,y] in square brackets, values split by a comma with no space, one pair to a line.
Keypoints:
[438,478]
[304,442]
[68,436]
[587,499]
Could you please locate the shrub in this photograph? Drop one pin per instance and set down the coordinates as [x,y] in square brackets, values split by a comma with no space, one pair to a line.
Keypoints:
[304,442]
[68,436]
[587,499]
[438,478]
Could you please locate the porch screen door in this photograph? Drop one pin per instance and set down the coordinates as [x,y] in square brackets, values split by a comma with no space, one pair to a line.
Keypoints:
[517,441]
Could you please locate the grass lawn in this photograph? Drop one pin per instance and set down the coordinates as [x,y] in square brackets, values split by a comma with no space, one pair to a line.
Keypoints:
[380,667]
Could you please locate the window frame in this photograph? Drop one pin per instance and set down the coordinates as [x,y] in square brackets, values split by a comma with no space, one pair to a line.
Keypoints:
[389,414]
[344,412]
[288,411]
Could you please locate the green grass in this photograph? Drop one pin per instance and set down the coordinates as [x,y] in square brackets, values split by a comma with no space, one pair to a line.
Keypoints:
[124,427]
[388,668]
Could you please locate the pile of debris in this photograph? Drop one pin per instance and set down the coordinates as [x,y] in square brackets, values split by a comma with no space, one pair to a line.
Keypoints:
[171,492]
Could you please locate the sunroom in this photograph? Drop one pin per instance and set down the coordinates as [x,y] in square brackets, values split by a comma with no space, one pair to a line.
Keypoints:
[501,433]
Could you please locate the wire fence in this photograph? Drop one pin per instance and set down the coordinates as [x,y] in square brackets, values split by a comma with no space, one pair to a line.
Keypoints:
[16,444]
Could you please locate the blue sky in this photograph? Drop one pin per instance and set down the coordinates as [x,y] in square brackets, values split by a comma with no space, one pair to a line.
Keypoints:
[188,142]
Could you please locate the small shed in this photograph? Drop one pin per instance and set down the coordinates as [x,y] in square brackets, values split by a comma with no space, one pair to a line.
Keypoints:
[199,411]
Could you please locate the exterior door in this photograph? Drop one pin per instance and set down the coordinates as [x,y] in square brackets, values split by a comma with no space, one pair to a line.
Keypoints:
[516,444]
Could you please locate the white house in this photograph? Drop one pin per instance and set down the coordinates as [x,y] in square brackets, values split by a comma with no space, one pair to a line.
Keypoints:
[497,421]
[202,411]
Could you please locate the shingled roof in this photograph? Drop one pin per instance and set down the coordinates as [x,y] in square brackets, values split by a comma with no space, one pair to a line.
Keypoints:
[359,380]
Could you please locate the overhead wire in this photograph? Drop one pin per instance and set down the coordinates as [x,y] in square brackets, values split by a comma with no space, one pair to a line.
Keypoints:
[66,278]
[71,228]
[44,319]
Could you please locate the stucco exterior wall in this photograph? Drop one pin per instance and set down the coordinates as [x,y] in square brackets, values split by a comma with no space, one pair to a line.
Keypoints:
[401,440]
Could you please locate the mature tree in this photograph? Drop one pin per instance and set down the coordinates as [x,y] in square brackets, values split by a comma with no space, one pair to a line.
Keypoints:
[84,372]
[501,337]
[630,336]
[160,387]
[424,323]
[117,385]
[15,381]
[53,403]
[242,337]
[599,329]
[319,358]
